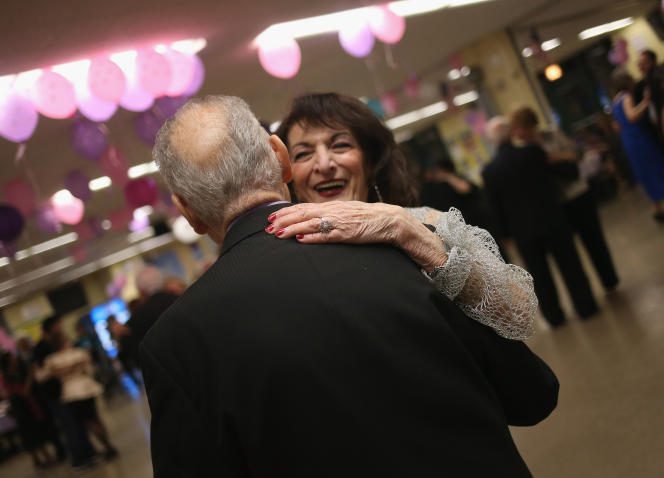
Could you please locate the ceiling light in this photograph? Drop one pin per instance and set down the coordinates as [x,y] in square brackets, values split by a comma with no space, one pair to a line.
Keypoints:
[46,246]
[274,126]
[454,74]
[465,98]
[553,72]
[142,169]
[605,28]
[189,47]
[465,71]
[333,22]
[417,115]
[106,224]
[527,52]
[551,44]
[100,183]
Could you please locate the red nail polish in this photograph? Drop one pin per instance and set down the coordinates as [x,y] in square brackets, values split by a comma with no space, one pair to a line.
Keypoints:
[272,217]
[280,232]
[300,237]
[269,229]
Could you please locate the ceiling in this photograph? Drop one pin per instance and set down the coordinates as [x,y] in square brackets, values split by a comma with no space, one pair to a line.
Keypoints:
[41,33]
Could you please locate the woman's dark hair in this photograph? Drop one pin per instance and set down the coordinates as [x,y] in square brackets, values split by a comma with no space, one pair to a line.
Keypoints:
[386,165]
[622,81]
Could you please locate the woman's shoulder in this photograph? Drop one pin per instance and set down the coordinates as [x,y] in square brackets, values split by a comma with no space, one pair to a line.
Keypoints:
[426,214]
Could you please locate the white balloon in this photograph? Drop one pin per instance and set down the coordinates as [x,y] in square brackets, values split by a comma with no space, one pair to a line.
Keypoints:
[183,231]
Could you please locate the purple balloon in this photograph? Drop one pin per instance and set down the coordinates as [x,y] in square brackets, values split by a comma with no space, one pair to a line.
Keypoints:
[18,118]
[89,139]
[47,221]
[196,79]
[79,185]
[147,125]
[11,223]
[166,106]
[141,192]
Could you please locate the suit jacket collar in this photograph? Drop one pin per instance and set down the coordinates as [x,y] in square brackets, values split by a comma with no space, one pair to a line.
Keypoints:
[248,225]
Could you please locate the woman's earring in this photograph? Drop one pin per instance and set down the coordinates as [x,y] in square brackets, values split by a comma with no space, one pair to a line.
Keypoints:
[378,195]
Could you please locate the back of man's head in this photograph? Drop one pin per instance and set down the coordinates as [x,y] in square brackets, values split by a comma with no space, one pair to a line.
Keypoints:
[149,280]
[498,130]
[213,154]
[50,324]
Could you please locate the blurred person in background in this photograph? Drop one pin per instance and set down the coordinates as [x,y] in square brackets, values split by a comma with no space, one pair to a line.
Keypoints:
[73,367]
[443,188]
[579,204]
[644,151]
[527,205]
[154,301]
[341,152]
[35,428]
[127,347]
[174,285]
[651,86]
[49,389]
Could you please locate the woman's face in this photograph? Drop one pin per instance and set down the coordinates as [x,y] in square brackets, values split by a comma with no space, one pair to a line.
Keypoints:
[328,165]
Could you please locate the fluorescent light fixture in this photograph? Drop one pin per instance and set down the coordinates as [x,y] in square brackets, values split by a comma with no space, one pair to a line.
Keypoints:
[417,115]
[551,44]
[63,196]
[143,212]
[454,74]
[4,261]
[100,183]
[189,47]
[333,22]
[465,71]
[140,235]
[527,52]
[46,246]
[142,169]
[274,126]
[605,28]
[465,98]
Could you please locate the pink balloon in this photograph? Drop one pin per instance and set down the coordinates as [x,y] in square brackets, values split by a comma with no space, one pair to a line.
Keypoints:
[141,192]
[18,118]
[95,109]
[386,25]
[182,72]
[357,39]
[120,219]
[114,165]
[281,58]
[21,195]
[390,103]
[412,86]
[153,72]
[106,80]
[54,95]
[69,212]
[136,99]
[197,77]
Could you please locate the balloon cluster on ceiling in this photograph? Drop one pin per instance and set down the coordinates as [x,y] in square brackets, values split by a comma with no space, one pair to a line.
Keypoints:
[153,81]
[280,56]
[97,86]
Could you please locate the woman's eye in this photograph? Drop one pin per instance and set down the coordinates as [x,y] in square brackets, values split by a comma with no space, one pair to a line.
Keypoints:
[342,145]
[301,155]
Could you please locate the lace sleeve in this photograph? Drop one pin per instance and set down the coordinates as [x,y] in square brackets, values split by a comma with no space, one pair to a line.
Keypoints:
[475,276]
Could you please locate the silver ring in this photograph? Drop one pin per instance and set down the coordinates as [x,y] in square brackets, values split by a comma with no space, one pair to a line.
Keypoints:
[325,226]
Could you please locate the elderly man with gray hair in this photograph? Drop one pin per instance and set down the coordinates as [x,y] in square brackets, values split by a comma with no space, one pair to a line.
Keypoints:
[290,360]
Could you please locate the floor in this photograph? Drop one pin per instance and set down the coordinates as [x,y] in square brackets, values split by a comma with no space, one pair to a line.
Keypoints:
[610,418]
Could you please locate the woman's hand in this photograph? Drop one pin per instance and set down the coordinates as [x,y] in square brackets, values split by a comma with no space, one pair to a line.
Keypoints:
[357,222]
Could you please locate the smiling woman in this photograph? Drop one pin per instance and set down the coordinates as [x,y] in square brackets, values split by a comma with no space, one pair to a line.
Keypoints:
[343,159]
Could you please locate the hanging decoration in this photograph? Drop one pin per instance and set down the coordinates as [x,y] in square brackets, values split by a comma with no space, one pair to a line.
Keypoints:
[114,165]
[46,219]
[386,25]
[89,139]
[106,81]
[141,192]
[280,57]
[54,96]
[11,223]
[78,184]
[146,125]
[18,118]
[20,194]
[357,39]
[67,208]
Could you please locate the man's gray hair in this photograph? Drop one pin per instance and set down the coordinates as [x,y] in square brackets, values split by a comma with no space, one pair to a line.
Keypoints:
[214,152]
[498,130]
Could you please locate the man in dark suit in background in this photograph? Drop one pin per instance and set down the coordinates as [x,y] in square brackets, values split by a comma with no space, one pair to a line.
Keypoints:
[288,360]
[527,205]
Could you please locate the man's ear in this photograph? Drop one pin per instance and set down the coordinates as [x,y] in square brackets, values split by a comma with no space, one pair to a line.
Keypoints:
[199,226]
[281,151]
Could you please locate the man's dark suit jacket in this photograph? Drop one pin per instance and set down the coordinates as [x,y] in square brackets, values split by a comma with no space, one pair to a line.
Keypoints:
[147,313]
[521,189]
[288,360]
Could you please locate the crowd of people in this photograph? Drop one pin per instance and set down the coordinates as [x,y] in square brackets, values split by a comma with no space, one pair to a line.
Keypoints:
[52,386]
